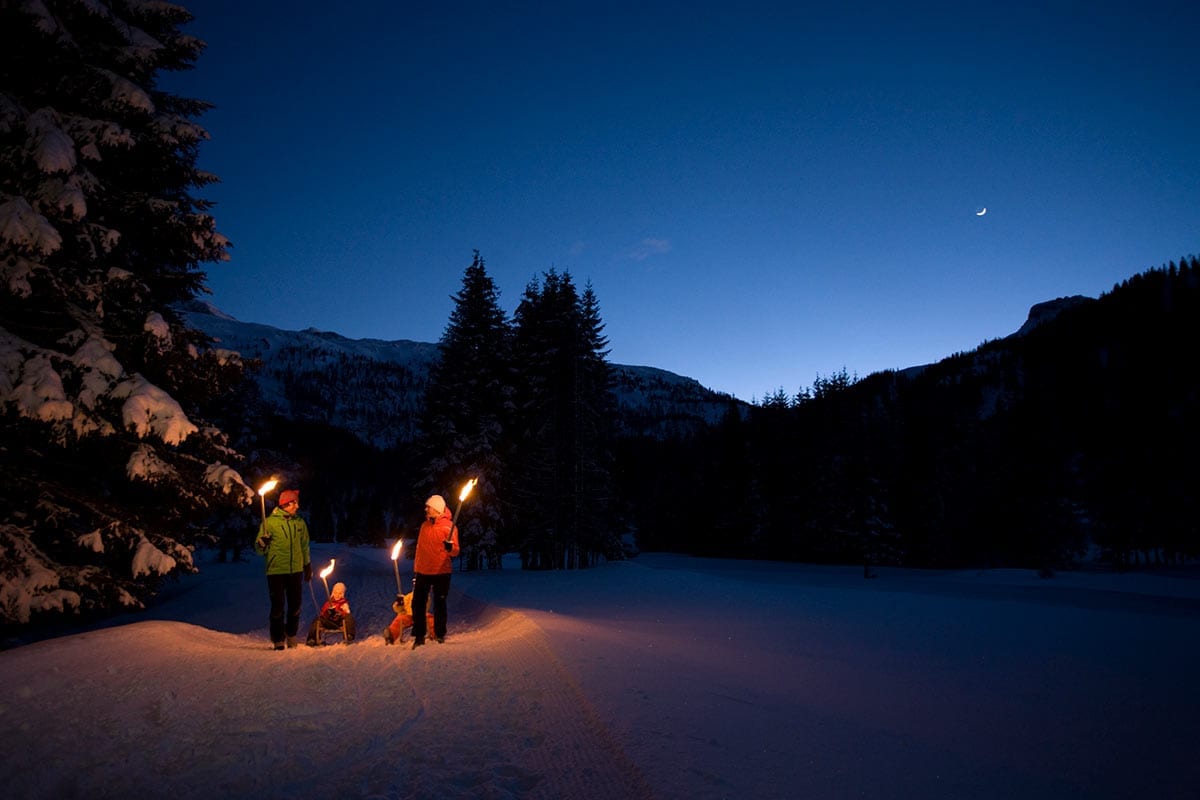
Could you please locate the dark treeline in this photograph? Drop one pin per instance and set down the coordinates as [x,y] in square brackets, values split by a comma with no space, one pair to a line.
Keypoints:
[1074,438]
[1078,437]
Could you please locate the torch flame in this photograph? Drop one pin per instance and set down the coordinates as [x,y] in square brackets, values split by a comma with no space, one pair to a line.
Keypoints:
[466,490]
[396,549]
[325,572]
[266,487]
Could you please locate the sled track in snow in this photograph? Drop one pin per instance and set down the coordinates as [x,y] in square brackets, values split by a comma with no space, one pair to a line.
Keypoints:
[555,746]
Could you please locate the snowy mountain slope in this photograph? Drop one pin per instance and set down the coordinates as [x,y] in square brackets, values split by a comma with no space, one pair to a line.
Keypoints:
[659,403]
[259,341]
[370,387]
[374,388]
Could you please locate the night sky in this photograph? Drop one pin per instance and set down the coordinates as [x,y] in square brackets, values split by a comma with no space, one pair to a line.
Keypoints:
[758,192]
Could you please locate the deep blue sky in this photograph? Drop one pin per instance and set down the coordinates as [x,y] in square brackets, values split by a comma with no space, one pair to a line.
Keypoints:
[758,192]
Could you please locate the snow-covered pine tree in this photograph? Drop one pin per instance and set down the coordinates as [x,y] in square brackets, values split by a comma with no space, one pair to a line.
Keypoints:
[108,471]
[468,409]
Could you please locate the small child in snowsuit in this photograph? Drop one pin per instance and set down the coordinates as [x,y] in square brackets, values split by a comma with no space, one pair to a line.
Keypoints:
[404,619]
[335,611]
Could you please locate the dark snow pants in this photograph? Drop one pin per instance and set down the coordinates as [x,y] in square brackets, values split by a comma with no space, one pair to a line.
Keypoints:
[422,584]
[280,588]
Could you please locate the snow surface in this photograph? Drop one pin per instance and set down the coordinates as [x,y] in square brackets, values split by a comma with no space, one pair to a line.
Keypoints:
[665,677]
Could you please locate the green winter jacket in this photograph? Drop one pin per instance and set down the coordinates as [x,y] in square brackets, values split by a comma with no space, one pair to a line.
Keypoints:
[283,539]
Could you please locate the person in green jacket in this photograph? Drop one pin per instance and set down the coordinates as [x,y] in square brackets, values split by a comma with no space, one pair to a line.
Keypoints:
[283,539]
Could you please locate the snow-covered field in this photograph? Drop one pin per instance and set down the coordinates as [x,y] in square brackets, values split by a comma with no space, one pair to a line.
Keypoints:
[663,677]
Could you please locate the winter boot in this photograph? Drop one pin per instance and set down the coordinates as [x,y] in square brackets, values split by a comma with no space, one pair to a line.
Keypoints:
[291,642]
[278,645]
[417,642]
[387,636]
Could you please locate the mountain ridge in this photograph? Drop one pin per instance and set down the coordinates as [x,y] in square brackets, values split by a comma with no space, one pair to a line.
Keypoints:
[374,388]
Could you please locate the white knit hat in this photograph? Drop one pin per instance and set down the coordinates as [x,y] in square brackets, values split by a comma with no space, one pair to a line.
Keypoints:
[339,589]
[437,503]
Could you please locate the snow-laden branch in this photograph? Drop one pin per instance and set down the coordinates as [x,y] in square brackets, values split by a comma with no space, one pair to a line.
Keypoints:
[229,480]
[125,93]
[40,394]
[25,229]
[53,150]
[157,326]
[148,410]
[145,465]
[149,560]
[30,582]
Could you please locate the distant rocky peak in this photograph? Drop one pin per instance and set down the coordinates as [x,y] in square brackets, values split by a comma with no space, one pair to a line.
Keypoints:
[1044,312]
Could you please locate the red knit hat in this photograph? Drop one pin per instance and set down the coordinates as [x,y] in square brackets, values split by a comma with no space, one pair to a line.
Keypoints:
[289,496]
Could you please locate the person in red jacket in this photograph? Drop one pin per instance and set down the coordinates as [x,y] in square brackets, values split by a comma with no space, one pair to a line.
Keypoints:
[437,545]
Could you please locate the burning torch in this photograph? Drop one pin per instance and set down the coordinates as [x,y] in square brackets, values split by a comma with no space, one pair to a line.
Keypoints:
[262,495]
[263,536]
[325,574]
[395,564]
[466,490]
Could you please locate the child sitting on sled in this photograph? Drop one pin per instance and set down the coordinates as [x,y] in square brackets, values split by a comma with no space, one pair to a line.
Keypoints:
[404,619]
[334,613]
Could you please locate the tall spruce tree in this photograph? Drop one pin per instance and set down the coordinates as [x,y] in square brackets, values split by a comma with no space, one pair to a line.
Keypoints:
[535,428]
[109,473]
[596,412]
[565,412]
[468,408]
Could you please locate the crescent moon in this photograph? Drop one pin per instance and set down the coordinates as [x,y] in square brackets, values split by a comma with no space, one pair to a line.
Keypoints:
[981,212]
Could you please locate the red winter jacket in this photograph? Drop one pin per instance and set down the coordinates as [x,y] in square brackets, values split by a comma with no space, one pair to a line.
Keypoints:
[335,609]
[431,557]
